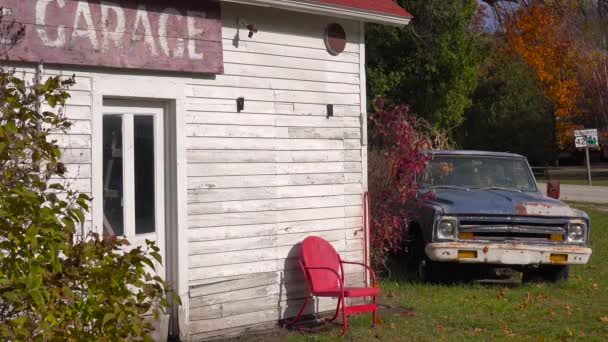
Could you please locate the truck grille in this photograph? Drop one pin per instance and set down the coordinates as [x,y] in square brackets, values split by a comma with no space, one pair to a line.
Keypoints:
[512,229]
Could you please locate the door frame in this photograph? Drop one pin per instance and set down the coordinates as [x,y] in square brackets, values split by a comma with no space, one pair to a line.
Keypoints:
[169,91]
[128,110]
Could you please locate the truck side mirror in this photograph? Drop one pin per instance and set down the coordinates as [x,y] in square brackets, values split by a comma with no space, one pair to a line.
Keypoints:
[553,188]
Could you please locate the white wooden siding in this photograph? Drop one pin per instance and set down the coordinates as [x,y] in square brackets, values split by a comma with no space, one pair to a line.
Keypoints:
[262,180]
[251,185]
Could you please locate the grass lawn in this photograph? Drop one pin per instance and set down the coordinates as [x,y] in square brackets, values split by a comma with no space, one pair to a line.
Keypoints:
[572,310]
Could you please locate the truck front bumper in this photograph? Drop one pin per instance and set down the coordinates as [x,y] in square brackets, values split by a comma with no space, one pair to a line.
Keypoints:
[507,253]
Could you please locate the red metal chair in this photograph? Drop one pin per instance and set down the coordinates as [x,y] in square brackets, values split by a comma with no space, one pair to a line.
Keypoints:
[324,274]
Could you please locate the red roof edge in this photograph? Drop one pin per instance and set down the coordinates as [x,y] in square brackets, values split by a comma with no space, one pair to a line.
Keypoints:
[381,6]
[385,12]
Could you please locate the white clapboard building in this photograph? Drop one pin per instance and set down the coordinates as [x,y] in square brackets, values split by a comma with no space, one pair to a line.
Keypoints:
[227,131]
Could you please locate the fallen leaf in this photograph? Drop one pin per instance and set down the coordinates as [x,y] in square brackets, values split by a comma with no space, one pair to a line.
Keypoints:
[477,330]
[604,319]
[507,331]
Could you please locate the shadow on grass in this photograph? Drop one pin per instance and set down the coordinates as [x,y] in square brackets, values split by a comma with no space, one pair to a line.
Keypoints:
[400,270]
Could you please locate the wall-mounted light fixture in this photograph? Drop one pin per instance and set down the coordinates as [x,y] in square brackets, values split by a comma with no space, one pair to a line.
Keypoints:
[252,29]
[241,22]
[330,110]
[240,104]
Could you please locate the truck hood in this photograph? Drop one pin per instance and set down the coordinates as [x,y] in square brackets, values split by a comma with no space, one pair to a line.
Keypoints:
[498,202]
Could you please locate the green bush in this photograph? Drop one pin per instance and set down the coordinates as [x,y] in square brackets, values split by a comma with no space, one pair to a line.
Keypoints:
[57,282]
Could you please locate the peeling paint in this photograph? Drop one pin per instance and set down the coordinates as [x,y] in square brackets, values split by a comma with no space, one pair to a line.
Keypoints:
[543,209]
[130,34]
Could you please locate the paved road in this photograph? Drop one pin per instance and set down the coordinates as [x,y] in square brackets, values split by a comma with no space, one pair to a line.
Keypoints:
[581,193]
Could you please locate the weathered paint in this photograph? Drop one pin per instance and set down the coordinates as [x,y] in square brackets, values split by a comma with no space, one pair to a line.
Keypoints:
[506,253]
[128,34]
[304,173]
[544,209]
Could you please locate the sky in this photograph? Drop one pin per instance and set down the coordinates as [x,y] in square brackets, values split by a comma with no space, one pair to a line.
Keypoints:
[492,21]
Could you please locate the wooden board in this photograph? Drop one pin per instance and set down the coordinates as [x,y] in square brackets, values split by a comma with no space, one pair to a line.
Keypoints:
[264,217]
[132,34]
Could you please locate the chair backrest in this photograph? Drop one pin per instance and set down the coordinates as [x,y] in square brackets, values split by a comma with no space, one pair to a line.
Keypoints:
[317,252]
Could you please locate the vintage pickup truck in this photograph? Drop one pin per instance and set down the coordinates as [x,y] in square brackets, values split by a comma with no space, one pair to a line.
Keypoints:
[485,208]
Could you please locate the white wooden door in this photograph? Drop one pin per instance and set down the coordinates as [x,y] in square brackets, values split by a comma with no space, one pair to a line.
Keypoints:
[133,174]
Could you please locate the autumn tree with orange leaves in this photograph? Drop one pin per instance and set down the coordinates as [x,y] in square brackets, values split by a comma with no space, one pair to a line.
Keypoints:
[540,35]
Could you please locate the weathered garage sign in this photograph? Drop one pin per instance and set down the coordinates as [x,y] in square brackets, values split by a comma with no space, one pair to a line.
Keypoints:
[152,34]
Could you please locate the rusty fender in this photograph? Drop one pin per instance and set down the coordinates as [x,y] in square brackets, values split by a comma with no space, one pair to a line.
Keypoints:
[506,253]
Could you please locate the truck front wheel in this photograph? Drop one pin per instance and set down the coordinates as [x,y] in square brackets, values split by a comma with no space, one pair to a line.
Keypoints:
[546,273]
[426,269]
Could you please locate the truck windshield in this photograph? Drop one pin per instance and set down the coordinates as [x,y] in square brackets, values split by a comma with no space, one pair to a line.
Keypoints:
[478,172]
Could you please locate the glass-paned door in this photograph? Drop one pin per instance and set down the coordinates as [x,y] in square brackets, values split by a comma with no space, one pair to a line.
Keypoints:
[133,174]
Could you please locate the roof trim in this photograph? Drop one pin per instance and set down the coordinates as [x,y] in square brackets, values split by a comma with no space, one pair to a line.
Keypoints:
[326,9]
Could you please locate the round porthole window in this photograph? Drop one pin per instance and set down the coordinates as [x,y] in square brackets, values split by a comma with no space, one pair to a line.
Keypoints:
[335,39]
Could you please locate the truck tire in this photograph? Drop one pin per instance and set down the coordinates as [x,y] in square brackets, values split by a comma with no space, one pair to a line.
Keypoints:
[430,271]
[426,269]
[546,273]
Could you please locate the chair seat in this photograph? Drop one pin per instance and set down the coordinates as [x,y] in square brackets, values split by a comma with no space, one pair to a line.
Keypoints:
[348,292]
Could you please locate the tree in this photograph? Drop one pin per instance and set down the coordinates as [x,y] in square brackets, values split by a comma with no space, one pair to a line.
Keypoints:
[430,64]
[510,112]
[540,35]
[565,42]
[56,284]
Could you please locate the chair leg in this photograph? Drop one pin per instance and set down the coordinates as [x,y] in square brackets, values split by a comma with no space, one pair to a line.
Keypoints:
[374,313]
[336,313]
[344,318]
[297,318]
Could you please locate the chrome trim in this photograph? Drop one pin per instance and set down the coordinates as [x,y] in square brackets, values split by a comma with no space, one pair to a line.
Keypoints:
[439,219]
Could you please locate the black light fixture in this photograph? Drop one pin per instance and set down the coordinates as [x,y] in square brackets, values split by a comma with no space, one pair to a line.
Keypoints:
[330,110]
[240,104]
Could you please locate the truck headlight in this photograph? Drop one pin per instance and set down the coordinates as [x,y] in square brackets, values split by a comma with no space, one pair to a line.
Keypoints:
[576,232]
[446,229]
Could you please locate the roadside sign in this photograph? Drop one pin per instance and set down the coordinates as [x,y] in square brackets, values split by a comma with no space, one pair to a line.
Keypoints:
[586,138]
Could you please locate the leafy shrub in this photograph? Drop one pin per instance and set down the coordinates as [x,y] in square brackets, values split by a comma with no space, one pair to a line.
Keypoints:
[392,174]
[56,282]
